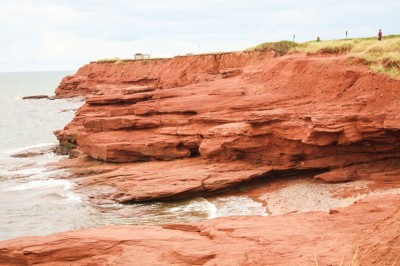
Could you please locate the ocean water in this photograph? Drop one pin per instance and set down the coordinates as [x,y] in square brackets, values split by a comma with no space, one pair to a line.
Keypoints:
[36,198]
[33,200]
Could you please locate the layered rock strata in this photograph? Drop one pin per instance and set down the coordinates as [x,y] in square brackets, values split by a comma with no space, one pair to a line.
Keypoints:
[366,233]
[173,128]
[199,124]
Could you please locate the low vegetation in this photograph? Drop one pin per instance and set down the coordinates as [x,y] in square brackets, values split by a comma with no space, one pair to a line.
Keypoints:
[113,60]
[123,60]
[281,47]
[382,56]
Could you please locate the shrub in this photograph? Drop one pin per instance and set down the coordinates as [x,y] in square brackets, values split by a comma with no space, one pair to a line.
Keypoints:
[337,49]
[282,47]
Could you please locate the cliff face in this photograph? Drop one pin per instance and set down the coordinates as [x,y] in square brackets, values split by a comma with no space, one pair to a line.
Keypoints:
[101,78]
[166,129]
[199,124]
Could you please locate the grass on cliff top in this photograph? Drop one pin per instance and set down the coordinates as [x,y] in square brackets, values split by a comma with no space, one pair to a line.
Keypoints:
[282,47]
[113,60]
[123,60]
[382,56]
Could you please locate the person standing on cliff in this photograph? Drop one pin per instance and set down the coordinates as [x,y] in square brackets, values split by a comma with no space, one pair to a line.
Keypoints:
[380,35]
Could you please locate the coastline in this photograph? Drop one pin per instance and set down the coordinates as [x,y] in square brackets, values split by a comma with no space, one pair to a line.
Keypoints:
[232,123]
[356,234]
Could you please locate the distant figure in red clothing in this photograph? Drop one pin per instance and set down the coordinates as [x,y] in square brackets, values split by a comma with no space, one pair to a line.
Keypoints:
[379,35]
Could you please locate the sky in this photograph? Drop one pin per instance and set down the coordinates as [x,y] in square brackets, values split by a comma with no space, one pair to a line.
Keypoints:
[45,35]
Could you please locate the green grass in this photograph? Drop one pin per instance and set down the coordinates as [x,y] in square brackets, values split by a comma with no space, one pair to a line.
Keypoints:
[123,60]
[113,60]
[281,47]
[382,56]
[331,47]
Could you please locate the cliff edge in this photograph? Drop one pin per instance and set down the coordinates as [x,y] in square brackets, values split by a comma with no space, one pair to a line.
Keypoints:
[199,124]
[173,128]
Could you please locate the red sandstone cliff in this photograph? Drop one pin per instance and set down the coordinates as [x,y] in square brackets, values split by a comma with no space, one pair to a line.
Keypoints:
[163,129]
[200,124]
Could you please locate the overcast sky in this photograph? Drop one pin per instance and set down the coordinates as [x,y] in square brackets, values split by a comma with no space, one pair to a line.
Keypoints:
[64,35]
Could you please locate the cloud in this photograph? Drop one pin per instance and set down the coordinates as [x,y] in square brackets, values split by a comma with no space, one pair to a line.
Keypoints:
[58,34]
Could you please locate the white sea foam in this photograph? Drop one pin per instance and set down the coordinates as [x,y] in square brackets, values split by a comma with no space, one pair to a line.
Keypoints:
[212,212]
[40,145]
[237,205]
[65,184]
[71,197]
[199,205]
[29,171]
[32,202]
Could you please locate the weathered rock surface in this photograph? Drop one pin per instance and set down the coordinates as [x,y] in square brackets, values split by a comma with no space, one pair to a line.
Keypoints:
[35,97]
[174,128]
[366,233]
[34,151]
[198,124]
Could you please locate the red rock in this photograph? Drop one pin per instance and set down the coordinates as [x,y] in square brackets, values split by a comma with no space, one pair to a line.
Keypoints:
[205,124]
[35,97]
[338,175]
[317,113]
[123,146]
[157,180]
[119,122]
[366,232]
[136,89]
[104,100]
[229,73]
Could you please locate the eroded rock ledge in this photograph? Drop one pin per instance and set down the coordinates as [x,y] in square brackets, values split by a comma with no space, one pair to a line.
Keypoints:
[199,124]
[366,233]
